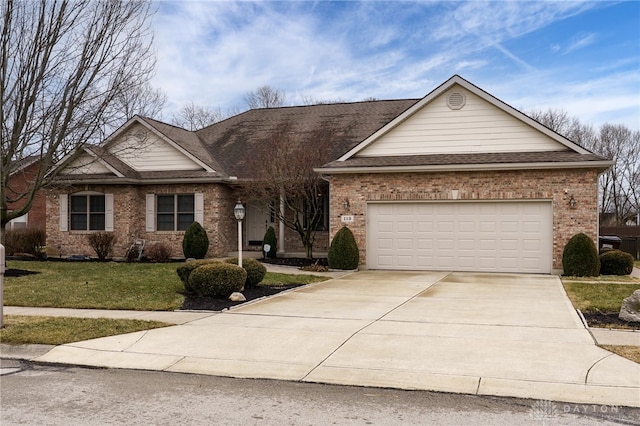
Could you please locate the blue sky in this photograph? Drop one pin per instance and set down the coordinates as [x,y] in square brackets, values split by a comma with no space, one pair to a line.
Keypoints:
[580,57]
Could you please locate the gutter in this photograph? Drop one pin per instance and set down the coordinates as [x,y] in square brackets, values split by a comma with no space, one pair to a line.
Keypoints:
[464,167]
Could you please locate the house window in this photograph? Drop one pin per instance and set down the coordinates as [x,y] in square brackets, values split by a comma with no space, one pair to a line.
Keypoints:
[175,212]
[18,222]
[87,212]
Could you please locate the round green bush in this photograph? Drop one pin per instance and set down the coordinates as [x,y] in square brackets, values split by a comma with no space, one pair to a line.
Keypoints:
[217,279]
[270,238]
[255,271]
[343,252]
[616,262]
[195,242]
[187,268]
[580,257]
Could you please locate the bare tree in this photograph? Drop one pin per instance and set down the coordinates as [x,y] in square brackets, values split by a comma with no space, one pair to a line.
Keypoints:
[265,97]
[620,185]
[63,65]
[143,100]
[283,167]
[194,117]
[310,100]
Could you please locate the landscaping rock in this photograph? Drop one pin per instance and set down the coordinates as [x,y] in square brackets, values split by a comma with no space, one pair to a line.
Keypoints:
[630,310]
[237,297]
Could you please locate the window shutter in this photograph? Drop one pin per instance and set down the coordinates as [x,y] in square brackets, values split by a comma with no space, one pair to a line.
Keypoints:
[151,213]
[108,212]
[64,212]
[199,208]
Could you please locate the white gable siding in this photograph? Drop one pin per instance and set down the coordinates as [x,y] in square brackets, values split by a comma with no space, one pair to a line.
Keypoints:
[85,165]
[144,151]
[478,127]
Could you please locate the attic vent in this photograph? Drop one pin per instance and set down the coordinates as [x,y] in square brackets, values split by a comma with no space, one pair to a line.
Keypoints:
[456,100]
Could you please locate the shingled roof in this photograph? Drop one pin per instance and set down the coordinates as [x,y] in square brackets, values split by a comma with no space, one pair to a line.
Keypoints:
[233,140]
[227,150]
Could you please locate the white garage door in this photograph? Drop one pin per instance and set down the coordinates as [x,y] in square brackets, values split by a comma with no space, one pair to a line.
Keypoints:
[460,236]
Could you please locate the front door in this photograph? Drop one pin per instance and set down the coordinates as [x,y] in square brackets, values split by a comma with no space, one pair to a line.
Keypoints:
[258,220]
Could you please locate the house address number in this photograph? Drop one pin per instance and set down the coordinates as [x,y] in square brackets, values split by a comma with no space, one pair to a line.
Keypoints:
[347,218]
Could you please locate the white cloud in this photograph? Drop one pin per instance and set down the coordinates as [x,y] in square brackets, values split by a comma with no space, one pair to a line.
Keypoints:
[213,53]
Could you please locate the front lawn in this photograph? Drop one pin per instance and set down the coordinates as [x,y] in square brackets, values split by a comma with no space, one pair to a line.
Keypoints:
[61,330]
[594,297]
[600,298]
[107,285]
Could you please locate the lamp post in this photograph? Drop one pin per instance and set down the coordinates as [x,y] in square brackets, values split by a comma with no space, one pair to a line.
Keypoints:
[238,212]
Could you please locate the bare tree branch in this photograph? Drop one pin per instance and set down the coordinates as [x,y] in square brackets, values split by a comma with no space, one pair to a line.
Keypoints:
[195,117]
[620,185]
[63,66]
[283,166]
[265,97]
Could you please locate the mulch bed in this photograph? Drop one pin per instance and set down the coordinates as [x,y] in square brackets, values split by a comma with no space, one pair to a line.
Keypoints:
[608,319]
[196,303]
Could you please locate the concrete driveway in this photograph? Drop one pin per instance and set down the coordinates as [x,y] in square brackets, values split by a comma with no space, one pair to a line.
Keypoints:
[475,333]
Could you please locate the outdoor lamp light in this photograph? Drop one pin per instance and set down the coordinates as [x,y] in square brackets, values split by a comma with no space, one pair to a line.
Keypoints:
[346,204]
[572,202]
[238,212]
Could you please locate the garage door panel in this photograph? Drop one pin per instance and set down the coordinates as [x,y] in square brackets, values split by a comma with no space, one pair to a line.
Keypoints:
[465,236]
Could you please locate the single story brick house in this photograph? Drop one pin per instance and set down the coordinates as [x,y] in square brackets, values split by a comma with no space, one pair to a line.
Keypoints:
[457,180]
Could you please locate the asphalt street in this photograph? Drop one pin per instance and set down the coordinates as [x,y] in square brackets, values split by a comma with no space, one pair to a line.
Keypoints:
[33,393]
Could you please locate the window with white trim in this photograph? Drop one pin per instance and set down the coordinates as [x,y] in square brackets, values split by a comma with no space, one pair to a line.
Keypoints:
[174,212]
[19,222]
[87,212]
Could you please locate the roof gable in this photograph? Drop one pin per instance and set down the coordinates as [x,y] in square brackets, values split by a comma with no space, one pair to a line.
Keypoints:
[476,127]
[476,123]
[144,150]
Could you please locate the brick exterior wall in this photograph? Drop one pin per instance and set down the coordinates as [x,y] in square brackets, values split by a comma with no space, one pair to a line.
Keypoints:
[129,205]
[19,183]
[129,219]
[474,185]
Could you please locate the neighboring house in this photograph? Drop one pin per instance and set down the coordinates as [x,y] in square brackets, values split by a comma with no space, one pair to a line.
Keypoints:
[20,182]
[457,180]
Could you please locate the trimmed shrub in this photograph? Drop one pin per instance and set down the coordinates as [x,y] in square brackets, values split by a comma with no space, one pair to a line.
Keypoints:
[26,241]
[217,279]
[255,271]
[343,252]
[159,252]
[580,257]
[187,268]
[102,243]
[616,262]
[270,238]
[195,242]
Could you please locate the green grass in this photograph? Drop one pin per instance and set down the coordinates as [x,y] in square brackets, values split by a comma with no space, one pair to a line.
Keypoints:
[60,330]
[605,297]
[110,285]
[275,278]
[95,285]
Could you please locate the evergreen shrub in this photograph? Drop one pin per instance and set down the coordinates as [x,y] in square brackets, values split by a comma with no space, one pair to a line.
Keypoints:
[270,238]
[616,262]
[217,279]
[255,271]
[195,242]
[187,268]
[343,252]
[580,257]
